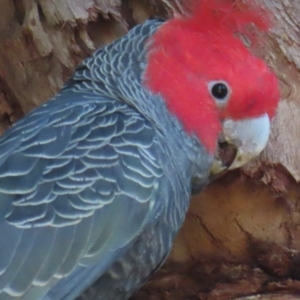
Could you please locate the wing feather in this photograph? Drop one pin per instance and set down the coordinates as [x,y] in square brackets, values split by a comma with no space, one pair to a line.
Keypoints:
[75,193]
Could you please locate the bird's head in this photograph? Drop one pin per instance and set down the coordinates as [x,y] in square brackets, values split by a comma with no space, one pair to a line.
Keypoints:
[216,87]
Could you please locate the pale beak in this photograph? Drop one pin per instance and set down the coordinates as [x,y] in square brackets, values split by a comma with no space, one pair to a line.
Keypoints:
[249,137]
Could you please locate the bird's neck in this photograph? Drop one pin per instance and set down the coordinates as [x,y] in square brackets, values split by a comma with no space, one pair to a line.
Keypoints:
[116,71]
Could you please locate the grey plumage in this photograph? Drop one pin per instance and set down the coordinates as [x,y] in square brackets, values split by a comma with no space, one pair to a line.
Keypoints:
[95,183]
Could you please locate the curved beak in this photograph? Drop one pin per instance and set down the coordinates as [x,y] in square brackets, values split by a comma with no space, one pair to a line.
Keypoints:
[249,137]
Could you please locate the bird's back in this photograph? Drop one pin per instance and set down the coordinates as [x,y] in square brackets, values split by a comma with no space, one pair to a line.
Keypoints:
[90,190]
[91,185]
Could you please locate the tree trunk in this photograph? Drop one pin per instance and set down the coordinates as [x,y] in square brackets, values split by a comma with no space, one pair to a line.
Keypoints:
[242,234]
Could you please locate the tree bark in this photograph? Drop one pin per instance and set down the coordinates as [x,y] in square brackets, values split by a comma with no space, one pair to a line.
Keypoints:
[241,237]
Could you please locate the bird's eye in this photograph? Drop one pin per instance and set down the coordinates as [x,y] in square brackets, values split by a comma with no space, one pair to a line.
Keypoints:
[219,90]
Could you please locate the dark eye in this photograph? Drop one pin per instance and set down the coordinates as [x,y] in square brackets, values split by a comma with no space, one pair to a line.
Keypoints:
[219,90]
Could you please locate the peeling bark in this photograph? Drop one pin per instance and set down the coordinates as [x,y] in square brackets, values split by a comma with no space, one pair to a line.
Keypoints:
[241,239]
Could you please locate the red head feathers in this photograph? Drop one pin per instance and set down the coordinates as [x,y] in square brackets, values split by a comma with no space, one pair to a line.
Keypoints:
[233,16]
[193,57]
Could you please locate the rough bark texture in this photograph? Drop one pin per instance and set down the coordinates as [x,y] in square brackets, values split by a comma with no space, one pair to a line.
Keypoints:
[241,239]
